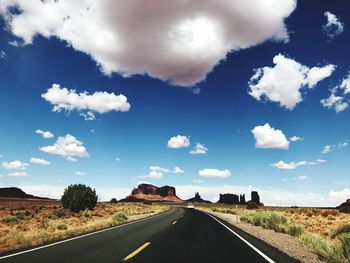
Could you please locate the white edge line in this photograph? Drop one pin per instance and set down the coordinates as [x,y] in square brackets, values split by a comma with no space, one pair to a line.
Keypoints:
[245,241]
[84,235]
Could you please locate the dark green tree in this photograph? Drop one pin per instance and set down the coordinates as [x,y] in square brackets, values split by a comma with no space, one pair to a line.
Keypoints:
[77,197]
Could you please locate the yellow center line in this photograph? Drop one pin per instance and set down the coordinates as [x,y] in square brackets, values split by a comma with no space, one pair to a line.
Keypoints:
[133,254]
[174,222]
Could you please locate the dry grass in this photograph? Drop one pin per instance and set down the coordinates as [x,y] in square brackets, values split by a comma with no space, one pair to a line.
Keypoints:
[30,223]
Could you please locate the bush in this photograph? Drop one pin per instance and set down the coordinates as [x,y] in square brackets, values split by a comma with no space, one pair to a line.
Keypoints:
[270,220]
[345,241]
[119,216]
[10,219]
[295,229]
[114,201]
[252,205]
[343,228]
[59,213]
[62,227]
[86,213]
[327,250]
[79,197]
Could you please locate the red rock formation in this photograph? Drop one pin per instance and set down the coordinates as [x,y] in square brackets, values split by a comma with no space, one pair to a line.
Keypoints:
[197,198]
[148,192]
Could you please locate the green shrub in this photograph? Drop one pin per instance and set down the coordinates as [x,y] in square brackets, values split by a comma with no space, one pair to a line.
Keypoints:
[10,219]
[295,229]
[329,251]
[345,241]
[119,216]
[252,205]
[62,226]
[79,197]
[343,228]
[86,213]
[270,220]
[114,201]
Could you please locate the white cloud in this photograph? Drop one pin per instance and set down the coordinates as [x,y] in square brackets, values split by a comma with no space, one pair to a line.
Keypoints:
[303,178]
[117,159]
[283,82]
[3,55]
[341,195]
[177,170]
[295,139]
[333,27]
[321,161]
[199,149]
[69,100]
[179,141]
[15,165]
[342,145]
[336,102]
[288,166]
[345,84]
[68,147]
[327,149]
[79,173]
[18,174]
[155,172]
[197,181]
[214,173]
[39,161]
[177,41]
[267,137]
[44,134]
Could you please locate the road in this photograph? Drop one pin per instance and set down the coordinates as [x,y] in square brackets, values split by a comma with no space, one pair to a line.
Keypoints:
[181,235]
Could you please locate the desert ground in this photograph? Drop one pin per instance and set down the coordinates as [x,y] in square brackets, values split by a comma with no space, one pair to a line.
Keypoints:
[26,223]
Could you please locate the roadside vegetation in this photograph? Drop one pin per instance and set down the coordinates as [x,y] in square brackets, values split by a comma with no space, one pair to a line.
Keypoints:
[33,222]
[325,231]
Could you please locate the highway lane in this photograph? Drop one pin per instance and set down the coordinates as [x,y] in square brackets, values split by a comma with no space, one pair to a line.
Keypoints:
[182,235]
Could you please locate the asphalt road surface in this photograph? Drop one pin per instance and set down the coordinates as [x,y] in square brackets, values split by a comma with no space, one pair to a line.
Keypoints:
[181,235]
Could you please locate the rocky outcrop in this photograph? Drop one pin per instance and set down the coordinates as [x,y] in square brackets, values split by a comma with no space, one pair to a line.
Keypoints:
[197,199]
[14,192]
[255,197]
[148,192]
[229,199]
[345,207]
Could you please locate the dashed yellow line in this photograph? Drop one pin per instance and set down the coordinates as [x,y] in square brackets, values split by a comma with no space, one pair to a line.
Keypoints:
[133,254]
[174,222]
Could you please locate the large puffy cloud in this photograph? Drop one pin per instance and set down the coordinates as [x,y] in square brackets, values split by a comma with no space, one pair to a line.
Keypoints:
[178,41]
[15,165]
[68,147]
[283,82]
[179,141]
[267,137]
[209,172]
[333,27]
[69,100]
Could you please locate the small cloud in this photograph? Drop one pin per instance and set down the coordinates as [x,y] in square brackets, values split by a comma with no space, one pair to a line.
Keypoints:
[196,91]
[287,166]
[267,137]
[67,147]
[179,141]
[92,130]
[177,170]
[44,134]
[79,173]
[3,55]
[199,149]
[15,165]
[18,174]
[321,161]
[39,161]
[15,43]
[295,139]
[342,145]
[117,159]
[197,181]
[303,178]
[209,172]
[327,149]
[333,27]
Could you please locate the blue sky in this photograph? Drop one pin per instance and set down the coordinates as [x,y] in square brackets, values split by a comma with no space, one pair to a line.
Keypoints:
[197,82]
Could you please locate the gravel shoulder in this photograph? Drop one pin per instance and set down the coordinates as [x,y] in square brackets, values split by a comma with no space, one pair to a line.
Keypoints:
[282,242]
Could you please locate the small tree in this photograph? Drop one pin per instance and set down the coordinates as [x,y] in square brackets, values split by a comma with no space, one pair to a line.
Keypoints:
[252,205]
[79,197]
[114,201]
